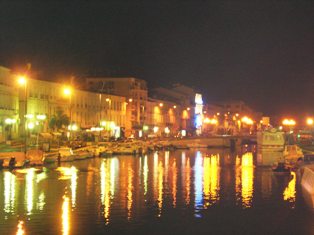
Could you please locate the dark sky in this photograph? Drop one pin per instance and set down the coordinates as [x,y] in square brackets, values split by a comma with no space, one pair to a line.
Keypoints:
[261,52]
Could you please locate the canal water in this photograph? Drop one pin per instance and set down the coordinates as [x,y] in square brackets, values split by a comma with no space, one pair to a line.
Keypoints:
[210,191]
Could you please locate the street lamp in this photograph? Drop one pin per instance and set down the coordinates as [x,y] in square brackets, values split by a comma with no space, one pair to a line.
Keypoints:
[309,121]
[67,91]
[22,81]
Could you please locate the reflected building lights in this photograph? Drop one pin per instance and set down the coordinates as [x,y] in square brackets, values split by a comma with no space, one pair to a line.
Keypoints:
[289,193]
[41,201]
[160,187]
[247,179]
[211,179]
[29,187]
[145,174]
[113,170]
[130,191]
[167,153]
[73,186]
[174,183]
[238,181]
[198,184]
[9,191]
[104,190]
[65,216]
[188,182]
[155,182]
[20,228]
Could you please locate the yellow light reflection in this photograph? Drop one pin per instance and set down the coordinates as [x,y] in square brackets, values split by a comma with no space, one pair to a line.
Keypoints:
[41,201]
[174,183]
[290,191]
[65,216]
[188,182]
[30,176]
[73,186]
[211,180]
[238,181]
[247,177]
[167,153]
[130,191]
[20,228]
[9,191]
[145,174]
[160,187]
[113,167]
[155,182]
[105,189]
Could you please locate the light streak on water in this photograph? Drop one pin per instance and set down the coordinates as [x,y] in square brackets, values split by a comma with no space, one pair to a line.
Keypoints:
[130,191]
[20,228]
[160,188]
[289,193]
[29,187]
[65,216]
[104,189]
[9,191]
[247,178]
[145,174]
[174,182]
[198,184]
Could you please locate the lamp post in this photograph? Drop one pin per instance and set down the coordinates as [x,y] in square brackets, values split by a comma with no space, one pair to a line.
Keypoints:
[22,81]
[109,113]
[67,91]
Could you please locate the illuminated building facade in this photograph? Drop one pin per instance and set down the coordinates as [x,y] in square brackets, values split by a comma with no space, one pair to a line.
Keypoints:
[135,91]
[163,118]
[44,99]
[191,105]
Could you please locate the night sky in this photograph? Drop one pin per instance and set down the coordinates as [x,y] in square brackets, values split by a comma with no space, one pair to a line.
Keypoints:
[261,52]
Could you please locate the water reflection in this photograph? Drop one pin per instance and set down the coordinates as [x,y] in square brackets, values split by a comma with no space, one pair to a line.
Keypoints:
[198,183]
[247,179]
[9,192]
[29,187]
[130,191]
[127,188]
[20,228]
[289,193]
[211,180]
[104,189]
[65,216]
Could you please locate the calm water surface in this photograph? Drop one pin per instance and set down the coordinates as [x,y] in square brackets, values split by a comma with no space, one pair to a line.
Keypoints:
[182,192]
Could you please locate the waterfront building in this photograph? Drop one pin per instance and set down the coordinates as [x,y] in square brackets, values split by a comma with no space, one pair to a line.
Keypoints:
[190,101]
[163,118]
[45,99]
[135,91]
[9,106]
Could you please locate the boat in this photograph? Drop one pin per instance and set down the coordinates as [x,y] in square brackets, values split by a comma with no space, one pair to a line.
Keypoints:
[66,154]
[271,140]
[50,157]
[82,154]
[307,184]
[35,157]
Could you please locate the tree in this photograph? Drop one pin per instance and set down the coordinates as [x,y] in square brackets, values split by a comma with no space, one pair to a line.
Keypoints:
[59,120]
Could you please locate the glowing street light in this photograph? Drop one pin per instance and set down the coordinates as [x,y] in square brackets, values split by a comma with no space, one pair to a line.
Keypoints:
[22,82]
[309,121]
[67,91]
[288,122]
[161,104]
